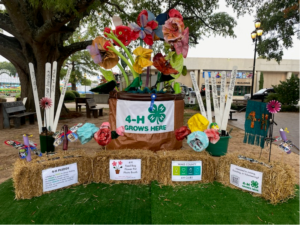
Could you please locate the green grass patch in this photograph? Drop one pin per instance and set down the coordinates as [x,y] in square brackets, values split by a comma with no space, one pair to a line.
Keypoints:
[94,203]
[217,204]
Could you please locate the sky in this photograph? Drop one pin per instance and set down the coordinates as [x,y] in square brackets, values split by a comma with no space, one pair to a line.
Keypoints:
[240,47]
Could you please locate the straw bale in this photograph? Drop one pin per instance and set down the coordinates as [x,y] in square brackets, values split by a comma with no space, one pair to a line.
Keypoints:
[148,165]
[27,176]
[278,181]
[164,166]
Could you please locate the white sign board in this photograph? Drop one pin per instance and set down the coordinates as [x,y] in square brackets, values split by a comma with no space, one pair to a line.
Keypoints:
[59,177]
[136,117]
[186,170]
[246,179]
[125,169]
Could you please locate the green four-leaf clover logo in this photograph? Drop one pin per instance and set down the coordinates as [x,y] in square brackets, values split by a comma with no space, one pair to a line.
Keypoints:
[157,114]
[254,184]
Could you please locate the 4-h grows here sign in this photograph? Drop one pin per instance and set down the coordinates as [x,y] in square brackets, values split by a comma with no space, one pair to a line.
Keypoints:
[136,117]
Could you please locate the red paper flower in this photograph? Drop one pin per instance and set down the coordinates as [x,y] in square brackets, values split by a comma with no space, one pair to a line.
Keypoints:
[163,65]
[274,106]
[120,163]
[213,135]
[103,136]
[123,33]
[114,163]
[45,103]
[175,13]
[107,44]
[182,132]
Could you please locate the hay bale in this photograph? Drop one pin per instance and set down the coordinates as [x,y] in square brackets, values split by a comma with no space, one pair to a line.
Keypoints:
[278,181]
[165,159]
[148,165]
[27,176]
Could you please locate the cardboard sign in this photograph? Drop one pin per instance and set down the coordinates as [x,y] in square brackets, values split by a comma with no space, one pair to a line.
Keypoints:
[59,177]
[186,170]
[246,179]
[136,117]
[125,169]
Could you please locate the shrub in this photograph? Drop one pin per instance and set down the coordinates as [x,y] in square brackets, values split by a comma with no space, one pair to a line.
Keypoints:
[77,95]
[289,108]
[272,96]
[69,95]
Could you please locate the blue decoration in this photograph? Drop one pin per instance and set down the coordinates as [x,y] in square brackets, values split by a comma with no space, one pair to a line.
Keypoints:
[153,97]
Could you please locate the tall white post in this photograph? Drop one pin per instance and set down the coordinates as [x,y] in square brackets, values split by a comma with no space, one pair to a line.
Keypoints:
[200,102]
[53,85]
[207,97]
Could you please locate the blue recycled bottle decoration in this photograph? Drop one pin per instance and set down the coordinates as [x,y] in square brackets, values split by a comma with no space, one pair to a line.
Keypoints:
[153,97]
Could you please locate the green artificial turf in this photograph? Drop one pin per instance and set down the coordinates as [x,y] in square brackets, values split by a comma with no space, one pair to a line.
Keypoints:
[136,204]
[94,203]
[217,204]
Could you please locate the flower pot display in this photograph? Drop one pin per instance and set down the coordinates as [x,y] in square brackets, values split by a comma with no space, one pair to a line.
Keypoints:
[219,148]
[146,129]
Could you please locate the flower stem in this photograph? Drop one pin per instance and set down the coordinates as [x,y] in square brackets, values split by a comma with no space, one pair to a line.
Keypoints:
[124,59]
[112,36]
[124,74]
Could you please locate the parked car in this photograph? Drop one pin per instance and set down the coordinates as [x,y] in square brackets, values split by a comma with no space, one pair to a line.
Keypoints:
[261,94]
[190,96]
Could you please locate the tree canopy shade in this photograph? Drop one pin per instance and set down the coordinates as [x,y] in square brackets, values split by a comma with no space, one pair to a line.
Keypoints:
[40,29]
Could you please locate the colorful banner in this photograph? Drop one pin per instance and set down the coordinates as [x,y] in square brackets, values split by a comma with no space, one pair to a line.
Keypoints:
[136,116]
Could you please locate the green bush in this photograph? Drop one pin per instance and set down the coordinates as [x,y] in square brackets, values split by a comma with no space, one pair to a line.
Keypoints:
[289,108]
[272,96]
[69,96]
[77,95]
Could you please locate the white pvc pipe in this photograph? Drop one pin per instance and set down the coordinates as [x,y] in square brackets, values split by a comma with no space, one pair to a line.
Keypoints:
[229,98]
[36,97]
[53,88]
[215,98]
[207,97]
[47,92]
[61,99]
[222,95]
[200,102]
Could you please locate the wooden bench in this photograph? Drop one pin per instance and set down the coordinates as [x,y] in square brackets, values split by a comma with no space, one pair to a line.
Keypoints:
[230,115]
[239,102]
[80,102]
[91,106]
[15,111]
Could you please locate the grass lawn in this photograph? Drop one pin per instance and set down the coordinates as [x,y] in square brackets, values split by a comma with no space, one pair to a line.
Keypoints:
[135,204]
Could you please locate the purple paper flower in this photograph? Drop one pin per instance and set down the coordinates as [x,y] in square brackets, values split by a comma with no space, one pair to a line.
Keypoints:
[274,106]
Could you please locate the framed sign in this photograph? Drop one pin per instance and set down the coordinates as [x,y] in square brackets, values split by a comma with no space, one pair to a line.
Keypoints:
[186,170]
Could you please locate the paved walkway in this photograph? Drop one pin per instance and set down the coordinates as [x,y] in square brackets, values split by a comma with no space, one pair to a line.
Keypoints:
[283,119]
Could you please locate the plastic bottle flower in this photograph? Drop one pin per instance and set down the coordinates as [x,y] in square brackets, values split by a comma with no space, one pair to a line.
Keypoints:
[123,33]
[274,106]
[142,59]
[145,27]
[163,65]
[182,133]
[108,59]
[103,135]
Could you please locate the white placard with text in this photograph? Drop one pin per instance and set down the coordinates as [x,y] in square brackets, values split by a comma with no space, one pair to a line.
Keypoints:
[246,179]
[125,169]
[186,170]
[59,177]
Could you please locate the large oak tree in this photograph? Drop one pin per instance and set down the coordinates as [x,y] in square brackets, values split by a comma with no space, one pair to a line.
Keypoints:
[41,29]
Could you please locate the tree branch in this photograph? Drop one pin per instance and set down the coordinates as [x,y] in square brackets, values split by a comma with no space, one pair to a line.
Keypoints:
[10,48]
[69,50]
[117,6]
[6,24]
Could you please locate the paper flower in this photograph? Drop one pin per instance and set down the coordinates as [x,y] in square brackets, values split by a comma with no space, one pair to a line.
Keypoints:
[274,106]
[94,52]
[108,58]
[182,46]
[163,65]
[173,29]
[213,135]
[198,141]
[103,136]
[144,28]
[175,13]
[142,59]
[120,130]
[45,103]
[123,33]
[182,132]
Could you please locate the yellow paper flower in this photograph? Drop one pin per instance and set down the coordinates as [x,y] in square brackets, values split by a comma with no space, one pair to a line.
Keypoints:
[198,123]
[143,56]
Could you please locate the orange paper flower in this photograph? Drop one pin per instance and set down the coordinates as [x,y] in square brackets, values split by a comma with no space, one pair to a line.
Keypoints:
[163,65]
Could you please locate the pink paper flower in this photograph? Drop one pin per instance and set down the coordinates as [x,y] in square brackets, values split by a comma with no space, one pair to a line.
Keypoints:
[182,46]
[120,130]
[105,125]
[114,163]
[45,103]
[213,135]
[274,106]
[120,163]
[173,29]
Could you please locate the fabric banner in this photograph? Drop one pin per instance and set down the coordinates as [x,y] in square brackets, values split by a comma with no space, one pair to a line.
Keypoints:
[256,123]
[136,116]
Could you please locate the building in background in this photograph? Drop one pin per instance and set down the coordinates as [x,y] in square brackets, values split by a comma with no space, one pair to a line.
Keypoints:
[7,81]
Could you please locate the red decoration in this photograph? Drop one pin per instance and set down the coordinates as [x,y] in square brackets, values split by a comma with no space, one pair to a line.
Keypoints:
[182,132]
[163,65]
[103,136]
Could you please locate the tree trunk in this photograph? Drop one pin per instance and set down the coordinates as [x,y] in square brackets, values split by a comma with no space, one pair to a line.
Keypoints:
[73,86]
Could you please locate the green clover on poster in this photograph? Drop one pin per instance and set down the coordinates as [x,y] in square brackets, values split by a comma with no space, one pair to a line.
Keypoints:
[157,114]
[254,184]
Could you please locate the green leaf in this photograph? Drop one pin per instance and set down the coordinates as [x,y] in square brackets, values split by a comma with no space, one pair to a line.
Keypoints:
[161,108]
[152,118]
[136,83]
[176,62]
[107,74]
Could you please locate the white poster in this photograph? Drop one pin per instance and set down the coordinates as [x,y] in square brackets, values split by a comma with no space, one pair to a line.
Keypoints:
[59,177]
[186,170]
[246,179]
[125,169]
[136,116]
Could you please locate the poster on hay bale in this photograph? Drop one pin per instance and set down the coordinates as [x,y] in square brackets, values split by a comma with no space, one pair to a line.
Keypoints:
[137,118]
[125,169]
[246,179]
[186,170]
